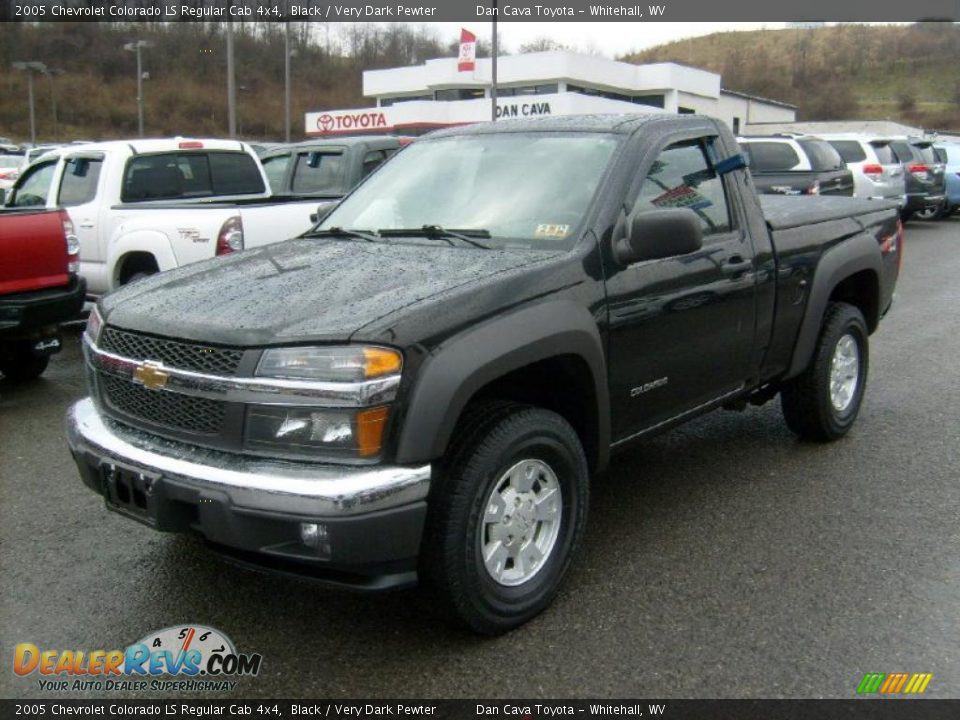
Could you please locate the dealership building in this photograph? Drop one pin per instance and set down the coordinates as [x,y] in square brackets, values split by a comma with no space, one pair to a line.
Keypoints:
[414,100]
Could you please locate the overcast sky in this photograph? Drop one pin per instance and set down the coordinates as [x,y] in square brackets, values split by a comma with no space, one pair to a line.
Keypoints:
[606,38]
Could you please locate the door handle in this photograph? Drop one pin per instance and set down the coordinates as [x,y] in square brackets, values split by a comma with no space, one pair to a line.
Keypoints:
[734,265]
[86,224]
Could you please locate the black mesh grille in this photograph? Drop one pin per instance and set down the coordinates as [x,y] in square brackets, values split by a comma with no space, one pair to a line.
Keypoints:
[172,410]
[173,353]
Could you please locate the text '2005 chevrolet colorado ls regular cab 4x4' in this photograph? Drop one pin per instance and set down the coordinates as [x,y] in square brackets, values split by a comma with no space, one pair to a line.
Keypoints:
[423,386]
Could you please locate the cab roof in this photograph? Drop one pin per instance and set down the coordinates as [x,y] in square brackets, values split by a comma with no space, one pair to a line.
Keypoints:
[624,124]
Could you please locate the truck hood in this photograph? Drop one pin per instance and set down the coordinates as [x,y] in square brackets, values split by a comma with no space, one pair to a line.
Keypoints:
[300,290]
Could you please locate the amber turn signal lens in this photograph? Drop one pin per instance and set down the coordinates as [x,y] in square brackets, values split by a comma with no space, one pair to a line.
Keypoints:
[380,361]
[370,425]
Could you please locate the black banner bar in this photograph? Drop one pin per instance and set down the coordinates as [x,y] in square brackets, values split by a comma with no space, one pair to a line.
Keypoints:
[872,709]
[480,10]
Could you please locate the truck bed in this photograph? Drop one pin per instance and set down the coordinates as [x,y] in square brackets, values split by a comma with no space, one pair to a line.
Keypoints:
[784,213]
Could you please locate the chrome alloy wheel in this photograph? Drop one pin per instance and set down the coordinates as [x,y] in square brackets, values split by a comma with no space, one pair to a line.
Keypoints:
[844,373]
[521,522]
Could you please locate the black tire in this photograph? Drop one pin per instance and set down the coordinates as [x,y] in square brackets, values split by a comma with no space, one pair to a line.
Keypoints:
[492,438]
[19,364]
[930,214]
[137,276]
[806,400]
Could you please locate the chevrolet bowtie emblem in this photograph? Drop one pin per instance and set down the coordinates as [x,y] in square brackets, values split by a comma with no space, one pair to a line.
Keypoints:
[151,375]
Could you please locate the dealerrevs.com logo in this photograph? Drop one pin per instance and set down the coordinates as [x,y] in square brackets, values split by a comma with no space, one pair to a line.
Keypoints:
[894,683]
[203,658]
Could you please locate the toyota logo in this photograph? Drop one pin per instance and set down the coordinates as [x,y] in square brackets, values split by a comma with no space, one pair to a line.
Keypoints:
[325,123]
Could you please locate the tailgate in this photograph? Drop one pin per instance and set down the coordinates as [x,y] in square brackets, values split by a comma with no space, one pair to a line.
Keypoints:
[33,251]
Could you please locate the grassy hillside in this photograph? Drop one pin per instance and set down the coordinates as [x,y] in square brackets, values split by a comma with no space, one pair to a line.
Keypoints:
[186,91]
[905,73]
[910,74]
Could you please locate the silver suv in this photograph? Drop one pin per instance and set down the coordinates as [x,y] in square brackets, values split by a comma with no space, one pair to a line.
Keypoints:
[877,173]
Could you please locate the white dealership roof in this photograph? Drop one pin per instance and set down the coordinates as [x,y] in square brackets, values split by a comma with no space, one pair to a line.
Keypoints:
[436,93]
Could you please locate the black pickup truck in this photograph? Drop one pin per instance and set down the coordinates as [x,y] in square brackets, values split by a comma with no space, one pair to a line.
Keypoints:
[424,385]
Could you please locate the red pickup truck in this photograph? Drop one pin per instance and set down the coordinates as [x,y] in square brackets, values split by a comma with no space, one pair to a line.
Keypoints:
[39,287]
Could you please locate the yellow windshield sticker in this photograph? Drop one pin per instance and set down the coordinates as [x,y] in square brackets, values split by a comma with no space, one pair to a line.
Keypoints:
[552,231]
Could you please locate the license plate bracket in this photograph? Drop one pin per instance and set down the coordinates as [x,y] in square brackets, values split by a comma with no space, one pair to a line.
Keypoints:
[129,491]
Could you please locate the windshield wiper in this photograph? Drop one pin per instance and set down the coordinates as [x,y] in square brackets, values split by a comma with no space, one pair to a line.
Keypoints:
[341,232]
[441,233]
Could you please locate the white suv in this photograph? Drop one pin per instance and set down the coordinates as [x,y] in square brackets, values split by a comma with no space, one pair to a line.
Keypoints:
[877,174]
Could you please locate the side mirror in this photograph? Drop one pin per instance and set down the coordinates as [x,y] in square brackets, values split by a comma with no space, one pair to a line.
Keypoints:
[655,234]
[322,212]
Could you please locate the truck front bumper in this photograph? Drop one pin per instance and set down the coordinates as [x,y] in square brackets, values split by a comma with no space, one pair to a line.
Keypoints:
[353,526]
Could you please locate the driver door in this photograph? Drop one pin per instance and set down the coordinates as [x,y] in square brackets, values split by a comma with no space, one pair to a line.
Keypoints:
[682,328]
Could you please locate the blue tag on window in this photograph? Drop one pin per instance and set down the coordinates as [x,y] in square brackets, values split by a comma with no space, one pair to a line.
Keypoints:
[734,162]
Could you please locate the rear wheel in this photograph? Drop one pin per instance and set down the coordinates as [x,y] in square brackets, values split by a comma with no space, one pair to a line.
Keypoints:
[506,515]
[823,402]
[19,364]
[932,213]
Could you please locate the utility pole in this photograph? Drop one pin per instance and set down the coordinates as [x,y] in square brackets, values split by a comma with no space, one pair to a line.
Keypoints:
[231,84]
[136,47]
[286,81]
[493,61]
[30,68]
[53,101]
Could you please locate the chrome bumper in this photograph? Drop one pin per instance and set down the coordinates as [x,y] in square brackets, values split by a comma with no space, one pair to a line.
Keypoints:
[256,484]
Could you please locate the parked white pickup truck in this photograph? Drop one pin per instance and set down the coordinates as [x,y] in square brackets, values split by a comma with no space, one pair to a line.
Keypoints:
[144,206]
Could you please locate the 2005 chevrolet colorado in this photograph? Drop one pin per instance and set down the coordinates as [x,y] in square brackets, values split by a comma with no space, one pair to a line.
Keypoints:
[424,385]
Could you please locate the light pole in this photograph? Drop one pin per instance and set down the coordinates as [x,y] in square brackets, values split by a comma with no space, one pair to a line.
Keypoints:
[493,59]
[136,46]
[53,101]
[231,84]
[30,68]
[286,81]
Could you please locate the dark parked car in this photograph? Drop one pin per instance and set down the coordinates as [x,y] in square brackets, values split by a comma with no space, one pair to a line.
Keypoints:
[924,173]
[796,165]
[328,166]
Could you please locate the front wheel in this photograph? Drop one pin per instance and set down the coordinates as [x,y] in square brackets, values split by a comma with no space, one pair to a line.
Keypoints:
[506,515]
[823,402]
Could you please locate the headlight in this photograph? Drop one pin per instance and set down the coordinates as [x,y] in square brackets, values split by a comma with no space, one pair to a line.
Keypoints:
[316,433]
[94,325]
[330,364]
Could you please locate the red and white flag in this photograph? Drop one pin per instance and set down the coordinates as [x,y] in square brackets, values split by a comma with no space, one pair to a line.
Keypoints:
[468,51]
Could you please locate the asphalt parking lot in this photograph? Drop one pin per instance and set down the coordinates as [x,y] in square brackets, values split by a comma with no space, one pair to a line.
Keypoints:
[724,559]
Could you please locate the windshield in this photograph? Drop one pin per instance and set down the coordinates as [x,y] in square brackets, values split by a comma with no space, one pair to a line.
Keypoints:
[528,189]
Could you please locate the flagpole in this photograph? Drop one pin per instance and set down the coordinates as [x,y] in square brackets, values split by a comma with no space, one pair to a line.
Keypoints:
[493,60]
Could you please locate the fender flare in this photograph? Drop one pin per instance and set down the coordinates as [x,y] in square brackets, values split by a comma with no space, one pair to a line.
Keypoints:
[461,366]
[145,241]
[856,254]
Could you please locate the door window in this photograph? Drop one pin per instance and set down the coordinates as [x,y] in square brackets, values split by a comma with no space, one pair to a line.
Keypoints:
[276,169]
[318,173]
[79,182]
[682,176]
